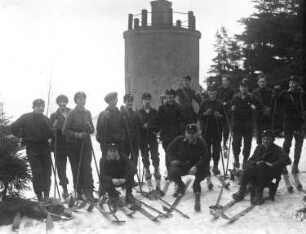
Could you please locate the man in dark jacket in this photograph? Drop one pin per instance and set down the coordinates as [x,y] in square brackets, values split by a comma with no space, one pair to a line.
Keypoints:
[243,105]
[292,105]
[266,164]
[225,95]
[35,130]
[265,95]
[59,143]
[188,155]
[117,171]
[187,97]
[110,125]
[211,114]
[170,118]
[77,128]
[131,121]
[148,130]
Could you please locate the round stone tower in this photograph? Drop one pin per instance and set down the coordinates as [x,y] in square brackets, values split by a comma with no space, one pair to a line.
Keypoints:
[159,53]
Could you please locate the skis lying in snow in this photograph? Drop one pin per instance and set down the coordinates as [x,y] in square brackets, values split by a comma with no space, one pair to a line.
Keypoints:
[160,213]
[178,199]
[145,213]
[110,213]
[197,202]
[288,184]
[238,215]
[177,210]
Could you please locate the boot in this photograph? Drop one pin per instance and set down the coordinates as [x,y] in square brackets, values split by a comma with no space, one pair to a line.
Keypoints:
[39,196]
[147,173]
[157,182]
[115,201]
[157,174]
[46,196]
[209,183]
[258,199]
[295,169]
[239,195]
[79,195]
[215,169]
[65,192]
[196,187]
[181,187]
[253,194]
[132,203]
[272,190]
[88,195]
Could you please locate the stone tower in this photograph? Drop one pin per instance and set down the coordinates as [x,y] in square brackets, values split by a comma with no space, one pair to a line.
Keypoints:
[159,53]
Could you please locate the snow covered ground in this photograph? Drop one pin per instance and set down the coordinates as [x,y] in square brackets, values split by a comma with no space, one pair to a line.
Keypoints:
[272,217]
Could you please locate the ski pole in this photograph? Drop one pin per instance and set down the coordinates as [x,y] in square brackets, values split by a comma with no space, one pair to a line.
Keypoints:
[79,166]
[94,156]
[55,181]
[131,148]
[222,156]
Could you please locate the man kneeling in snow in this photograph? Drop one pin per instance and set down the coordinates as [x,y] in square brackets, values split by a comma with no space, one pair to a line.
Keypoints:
[266,164]
[117,171]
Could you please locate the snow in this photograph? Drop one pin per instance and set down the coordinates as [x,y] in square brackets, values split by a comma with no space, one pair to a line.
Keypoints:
[271,217]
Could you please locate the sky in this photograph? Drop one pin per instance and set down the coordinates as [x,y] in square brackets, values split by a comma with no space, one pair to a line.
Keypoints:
[66,46]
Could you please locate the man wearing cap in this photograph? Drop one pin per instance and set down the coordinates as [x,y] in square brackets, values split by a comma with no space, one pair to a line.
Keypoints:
[131,121]
[35,130]
[211,114]
[110,125]
[188,155]
[170,118]
[243,105]
[265,95]
[117,171]
[186,95]
[292,105]
[77,129]
[225,94]
[266,164]
[148,130]
[59,143]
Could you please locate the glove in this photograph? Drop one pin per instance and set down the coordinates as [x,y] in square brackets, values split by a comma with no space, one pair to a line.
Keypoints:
[217,115]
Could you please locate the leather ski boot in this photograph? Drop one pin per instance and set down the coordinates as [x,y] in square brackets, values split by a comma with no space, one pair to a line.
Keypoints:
[258,199]
[239,195]
[295,169]
[215,169]
[65,192]
[181,187]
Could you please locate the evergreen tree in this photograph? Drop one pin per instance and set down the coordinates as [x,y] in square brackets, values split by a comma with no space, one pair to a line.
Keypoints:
[14,169]
[274,39]
[228,59]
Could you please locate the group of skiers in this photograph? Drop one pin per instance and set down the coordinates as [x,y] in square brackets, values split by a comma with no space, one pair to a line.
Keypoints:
[190,138]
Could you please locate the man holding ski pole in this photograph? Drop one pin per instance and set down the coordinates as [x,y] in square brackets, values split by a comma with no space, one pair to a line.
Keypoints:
[77,129]
[59,143]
